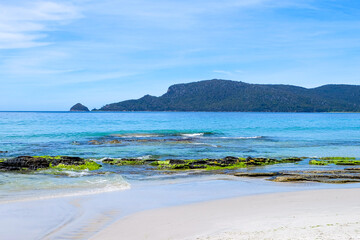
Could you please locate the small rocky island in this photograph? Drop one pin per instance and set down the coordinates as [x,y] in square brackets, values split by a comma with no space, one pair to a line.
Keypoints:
[79,108]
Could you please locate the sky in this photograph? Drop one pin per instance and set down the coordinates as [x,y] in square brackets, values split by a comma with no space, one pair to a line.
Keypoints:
[54,54]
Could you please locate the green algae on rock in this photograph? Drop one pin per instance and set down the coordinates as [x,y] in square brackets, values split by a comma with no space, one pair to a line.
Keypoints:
[335,160]
[33,163]
[124,162]
[89,165]
[202,164]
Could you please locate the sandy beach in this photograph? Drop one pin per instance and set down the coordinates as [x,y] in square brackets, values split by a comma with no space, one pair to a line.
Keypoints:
[316,214]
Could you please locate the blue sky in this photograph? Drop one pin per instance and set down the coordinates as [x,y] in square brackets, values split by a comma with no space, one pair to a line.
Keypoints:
[54,54]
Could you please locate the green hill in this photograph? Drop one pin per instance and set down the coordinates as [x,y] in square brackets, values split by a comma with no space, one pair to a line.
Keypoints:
[229,96]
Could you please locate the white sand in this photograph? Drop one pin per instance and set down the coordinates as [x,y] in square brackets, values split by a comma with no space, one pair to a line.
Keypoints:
[321,214]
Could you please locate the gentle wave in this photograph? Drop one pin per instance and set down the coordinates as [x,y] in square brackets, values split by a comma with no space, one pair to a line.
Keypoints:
[70,194]
[192,134]
[206,144]
[253,137]
[134,135]
[161,134]
[146,157]
[50,186]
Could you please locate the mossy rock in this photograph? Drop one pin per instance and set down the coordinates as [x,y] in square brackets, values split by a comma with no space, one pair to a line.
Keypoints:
[218,164]
[323,176]
[33,163]
[89,165]
[127,161]
[335,160]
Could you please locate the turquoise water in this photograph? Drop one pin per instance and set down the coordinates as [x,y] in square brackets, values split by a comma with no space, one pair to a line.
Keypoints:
[60,206]
[179,135]
[161,135]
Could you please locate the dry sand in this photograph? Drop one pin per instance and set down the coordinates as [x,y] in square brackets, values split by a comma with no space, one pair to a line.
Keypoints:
[320,214]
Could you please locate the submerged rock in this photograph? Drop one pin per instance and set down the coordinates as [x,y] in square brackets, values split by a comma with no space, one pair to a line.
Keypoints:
[95,142]
[115,141]
[79,108]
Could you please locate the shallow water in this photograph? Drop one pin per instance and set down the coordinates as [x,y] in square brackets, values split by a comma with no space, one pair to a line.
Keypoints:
[179,134]
[78,203]
[161,135]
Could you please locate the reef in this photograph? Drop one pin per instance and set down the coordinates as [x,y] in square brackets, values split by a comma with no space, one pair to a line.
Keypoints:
[335,160]
[205,164]
[236,166]
[34,163]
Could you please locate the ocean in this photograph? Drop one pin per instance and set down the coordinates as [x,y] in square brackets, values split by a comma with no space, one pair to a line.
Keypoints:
[179,134]
[158,135]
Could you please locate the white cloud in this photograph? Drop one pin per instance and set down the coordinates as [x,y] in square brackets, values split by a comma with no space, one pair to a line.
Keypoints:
[27,25]
[233,73]
[222,72]
[169,14]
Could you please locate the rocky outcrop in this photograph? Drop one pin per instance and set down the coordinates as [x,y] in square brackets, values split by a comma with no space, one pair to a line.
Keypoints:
[347,175]
[79,108]
[29,163]
[24,162]
[206,164]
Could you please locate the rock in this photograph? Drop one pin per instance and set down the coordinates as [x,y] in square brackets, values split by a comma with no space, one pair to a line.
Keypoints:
[323,176]
[199,162]
[196,166]
[352,169]
[107,160]
[23,163]
[94,142]
[176,161]
[68,161]
[295,178]
[115,141]
[124,161]
[257,174]
[79,108]
[317,178]
[230,160]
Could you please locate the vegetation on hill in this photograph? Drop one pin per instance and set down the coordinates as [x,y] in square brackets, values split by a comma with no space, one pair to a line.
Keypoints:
[228,96]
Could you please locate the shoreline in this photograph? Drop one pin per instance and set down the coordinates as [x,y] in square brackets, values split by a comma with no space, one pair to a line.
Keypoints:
[302,215]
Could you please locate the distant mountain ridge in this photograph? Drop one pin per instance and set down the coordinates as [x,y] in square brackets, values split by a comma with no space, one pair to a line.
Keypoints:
[234,96]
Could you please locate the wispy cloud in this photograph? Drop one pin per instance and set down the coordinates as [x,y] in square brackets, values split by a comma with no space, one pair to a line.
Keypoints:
[26,25]
[120,49]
